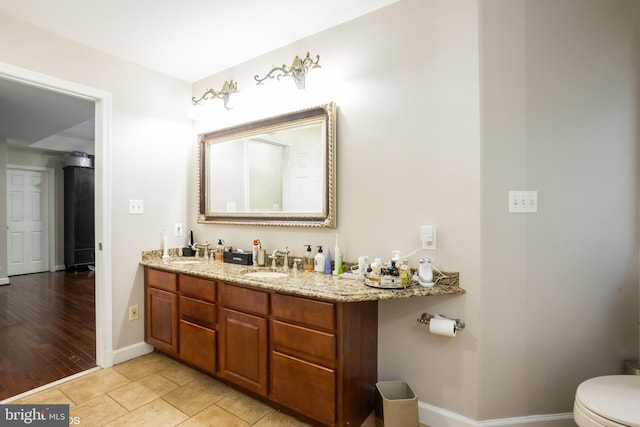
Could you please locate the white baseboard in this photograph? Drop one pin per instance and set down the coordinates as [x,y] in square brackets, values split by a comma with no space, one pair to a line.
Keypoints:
[434,416]
[4,280]
[131,352]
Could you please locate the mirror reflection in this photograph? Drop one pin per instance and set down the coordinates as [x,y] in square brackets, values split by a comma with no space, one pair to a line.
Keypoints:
[275,171]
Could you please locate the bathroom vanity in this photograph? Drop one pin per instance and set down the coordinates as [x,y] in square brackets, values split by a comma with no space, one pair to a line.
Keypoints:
[305,341]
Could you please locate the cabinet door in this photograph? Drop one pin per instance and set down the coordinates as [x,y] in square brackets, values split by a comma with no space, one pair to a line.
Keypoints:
[161,320]
[305,387]
[243,350]
[198,346]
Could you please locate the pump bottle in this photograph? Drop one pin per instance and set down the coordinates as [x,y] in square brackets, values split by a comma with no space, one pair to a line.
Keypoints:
[308,259]
[318,261]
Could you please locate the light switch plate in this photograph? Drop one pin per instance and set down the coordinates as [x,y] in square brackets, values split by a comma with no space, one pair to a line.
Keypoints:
[523,201]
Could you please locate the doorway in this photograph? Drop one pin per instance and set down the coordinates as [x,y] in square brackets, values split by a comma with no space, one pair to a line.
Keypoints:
[102,102]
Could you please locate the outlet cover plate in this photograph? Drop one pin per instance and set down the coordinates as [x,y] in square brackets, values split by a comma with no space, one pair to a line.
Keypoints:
[136,207]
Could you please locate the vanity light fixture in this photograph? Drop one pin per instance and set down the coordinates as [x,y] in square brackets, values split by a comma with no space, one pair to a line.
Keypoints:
[299,68]
[225,93]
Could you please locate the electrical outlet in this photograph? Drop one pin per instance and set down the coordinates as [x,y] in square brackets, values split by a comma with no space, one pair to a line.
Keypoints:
[133,312]
[179,231]
[136,207]
[428,236]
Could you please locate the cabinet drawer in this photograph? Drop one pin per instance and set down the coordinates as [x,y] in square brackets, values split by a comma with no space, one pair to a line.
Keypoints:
[304,387]
[244,299]
[304,342]
[162,280]
[198,346]
[305,311]
[196,311]
[198,288]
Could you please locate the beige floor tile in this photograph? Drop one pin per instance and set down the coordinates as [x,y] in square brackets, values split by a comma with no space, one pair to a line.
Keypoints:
[51,396]
[245,407]
[157,414]
[144,366]
[278,419]
[97,412]
[214,416]
[100,382]
[142,391]
[197,395]
[181,374]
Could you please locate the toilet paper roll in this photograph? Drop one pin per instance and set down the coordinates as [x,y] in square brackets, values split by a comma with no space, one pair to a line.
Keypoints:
[442,326]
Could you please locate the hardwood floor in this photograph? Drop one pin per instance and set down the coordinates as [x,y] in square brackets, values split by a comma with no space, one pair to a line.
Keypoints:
[47,329]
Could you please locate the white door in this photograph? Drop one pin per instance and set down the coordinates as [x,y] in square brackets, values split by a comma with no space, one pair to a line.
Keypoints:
[27,221]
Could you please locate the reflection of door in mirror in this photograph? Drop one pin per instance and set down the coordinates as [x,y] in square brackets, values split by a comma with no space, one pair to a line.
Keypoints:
[303,181]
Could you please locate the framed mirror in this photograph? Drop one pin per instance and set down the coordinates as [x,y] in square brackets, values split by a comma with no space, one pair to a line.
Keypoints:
[275,171]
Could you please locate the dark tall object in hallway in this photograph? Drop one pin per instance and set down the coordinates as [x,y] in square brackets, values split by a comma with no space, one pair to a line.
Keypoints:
[79,235]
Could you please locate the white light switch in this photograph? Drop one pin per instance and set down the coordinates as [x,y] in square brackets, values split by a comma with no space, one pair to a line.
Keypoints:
[523,201]
[136,207]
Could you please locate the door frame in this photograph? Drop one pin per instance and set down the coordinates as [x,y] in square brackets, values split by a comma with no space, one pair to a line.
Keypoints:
[49,174]
[103,226]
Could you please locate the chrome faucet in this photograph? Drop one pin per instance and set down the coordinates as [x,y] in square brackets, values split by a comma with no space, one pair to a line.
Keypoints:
[285,262]
[204,245]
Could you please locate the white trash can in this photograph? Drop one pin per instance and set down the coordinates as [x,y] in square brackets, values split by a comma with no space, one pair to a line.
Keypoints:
[396,404]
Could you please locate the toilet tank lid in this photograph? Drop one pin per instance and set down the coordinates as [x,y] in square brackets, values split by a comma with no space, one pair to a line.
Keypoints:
[615,397]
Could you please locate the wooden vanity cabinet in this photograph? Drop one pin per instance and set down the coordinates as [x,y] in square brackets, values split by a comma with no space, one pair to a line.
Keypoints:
[304,356]
[317,358]
[324,358]
[244,337]
[198,319]
[161,310]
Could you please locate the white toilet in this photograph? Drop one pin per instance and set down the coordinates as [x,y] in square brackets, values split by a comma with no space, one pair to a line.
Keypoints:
[612,400]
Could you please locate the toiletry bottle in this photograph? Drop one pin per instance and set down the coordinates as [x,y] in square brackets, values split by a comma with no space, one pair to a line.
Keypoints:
[338,258]
[318,261]
[327,262]
[220,250]
[308,259]
[376,267]
[254,253]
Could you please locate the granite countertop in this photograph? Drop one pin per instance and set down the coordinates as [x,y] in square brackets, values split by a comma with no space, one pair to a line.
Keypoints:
[299,282]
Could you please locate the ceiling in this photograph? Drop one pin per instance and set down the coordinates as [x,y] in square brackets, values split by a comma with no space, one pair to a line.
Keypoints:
[186,39]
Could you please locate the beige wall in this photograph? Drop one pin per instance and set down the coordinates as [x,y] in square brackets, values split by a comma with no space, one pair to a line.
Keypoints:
[446,106]
[405,80]
[150,137]
[559,114]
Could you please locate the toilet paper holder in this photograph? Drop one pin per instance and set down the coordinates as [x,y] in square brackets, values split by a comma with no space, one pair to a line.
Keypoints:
[426,318]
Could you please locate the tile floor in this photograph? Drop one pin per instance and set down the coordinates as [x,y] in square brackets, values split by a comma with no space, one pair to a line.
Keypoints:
[154,390]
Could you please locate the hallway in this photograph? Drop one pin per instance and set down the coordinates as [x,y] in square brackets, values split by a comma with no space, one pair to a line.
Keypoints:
[47,329]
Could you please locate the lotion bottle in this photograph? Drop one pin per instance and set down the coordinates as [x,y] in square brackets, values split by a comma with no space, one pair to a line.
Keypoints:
[327,262]
[318,261]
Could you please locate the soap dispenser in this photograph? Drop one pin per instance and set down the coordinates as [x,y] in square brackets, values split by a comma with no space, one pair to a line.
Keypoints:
[220,250]
[318,264]
[308,259]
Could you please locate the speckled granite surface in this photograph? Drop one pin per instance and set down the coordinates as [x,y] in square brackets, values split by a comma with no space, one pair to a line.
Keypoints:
[299,282]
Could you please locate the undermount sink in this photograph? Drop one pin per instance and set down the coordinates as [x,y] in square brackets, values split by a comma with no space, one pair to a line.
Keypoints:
[266,274]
